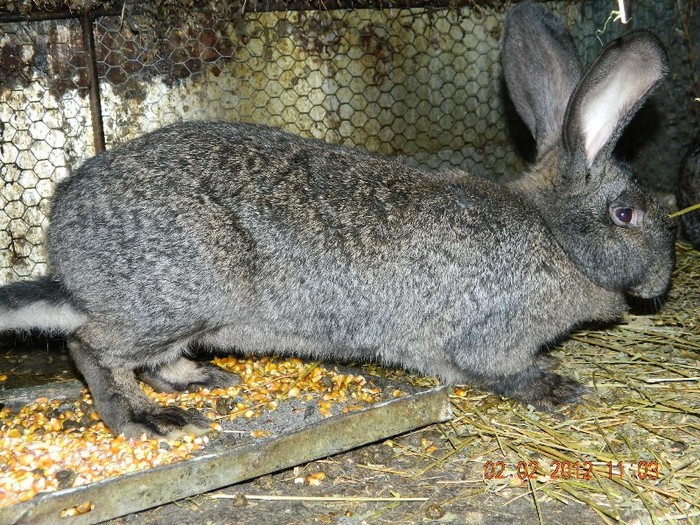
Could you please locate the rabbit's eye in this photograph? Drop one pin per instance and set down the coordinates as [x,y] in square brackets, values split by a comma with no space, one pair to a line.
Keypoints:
[623,216]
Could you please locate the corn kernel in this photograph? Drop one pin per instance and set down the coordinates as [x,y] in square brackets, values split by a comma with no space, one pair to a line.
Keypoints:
[316,478]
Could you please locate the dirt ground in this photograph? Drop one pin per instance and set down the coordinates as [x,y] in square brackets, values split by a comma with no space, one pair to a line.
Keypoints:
[456,493]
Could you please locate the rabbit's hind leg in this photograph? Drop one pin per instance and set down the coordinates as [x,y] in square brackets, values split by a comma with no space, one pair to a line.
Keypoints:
[185,375]
[122,404]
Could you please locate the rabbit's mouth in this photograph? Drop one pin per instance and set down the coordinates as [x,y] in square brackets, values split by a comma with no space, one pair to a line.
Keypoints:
[645,305]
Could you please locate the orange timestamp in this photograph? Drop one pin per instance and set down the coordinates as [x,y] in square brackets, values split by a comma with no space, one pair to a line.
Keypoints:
[563,470]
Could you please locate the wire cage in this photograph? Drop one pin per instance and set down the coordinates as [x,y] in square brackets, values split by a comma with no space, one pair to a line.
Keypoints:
[420,80]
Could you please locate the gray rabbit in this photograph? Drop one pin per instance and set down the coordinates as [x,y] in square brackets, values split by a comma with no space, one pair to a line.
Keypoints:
[689,194]
[235,237]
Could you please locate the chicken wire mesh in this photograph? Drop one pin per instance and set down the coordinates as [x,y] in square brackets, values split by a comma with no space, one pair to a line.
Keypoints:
[423,83]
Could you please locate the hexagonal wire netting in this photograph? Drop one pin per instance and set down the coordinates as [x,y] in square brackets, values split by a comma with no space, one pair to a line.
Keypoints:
[44,116]
[416,83]
[421,83]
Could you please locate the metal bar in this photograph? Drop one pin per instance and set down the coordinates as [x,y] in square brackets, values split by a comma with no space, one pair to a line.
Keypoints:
[87,25]
[330,5]
[245,6]
[16,398]
[628,7]
[40,16]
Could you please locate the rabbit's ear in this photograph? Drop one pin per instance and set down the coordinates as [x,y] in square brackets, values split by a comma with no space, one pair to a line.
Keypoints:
[616,85]
[541,69]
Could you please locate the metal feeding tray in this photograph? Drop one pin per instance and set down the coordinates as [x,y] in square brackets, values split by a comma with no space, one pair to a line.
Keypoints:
[296,433]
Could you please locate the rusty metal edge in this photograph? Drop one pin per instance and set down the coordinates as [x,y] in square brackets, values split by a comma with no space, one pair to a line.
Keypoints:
[16,398]
[142,490]
[259,6]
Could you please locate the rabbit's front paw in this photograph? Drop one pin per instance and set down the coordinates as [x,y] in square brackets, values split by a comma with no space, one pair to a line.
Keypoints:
[552,391]
[539,387]
[168,422]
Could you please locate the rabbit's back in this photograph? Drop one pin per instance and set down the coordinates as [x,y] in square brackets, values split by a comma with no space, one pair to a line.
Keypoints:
[219,185]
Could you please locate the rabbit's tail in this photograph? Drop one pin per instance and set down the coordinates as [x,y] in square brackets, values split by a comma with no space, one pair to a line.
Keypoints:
[41,304]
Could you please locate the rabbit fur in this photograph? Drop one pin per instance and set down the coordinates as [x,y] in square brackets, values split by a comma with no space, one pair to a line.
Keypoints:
[238,237]
[689,194]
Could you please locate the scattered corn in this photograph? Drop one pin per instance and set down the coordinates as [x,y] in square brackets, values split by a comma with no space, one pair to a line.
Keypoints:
[428,445]
[77,510]
[460,392]
[51,445]
[316,478]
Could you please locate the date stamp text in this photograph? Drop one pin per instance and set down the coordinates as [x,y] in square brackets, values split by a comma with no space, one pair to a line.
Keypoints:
[564,470]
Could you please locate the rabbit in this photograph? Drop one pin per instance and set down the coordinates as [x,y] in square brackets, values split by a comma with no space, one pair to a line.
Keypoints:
[232,237]
[689,194]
